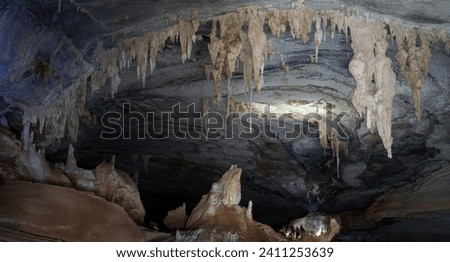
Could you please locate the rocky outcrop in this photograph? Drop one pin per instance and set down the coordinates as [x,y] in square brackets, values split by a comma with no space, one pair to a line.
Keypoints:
[176,219]
[36,212]
[108,182]
[23,162]
[218,216]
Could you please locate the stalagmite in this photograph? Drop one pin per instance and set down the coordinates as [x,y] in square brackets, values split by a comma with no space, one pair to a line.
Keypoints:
[370,63]
[250,209]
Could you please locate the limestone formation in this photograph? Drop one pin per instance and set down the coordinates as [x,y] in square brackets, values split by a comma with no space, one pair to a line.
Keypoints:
[373,101]
[218,216]
[177,218]
[413,59]
[224,48]
[105,181]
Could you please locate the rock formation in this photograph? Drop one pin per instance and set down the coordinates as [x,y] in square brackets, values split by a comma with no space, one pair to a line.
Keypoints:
[176,219]
[107,182]
[370,64]
[24,162]
[218,216]
[41,212]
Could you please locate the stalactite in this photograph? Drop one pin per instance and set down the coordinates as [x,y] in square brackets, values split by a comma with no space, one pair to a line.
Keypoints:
[208,71]
[318,36]
[59,6]
[187,36]
[335,150]
[370,63]
[286,70]
[277,21]
[224,48]
[141,59]
[337,19]
[270,50]
[300,21]
[323,135]
[413,60]
[325,19]
[142,49]
[254,20]
[134,158]
[246,58]
[61,115]
[146,162]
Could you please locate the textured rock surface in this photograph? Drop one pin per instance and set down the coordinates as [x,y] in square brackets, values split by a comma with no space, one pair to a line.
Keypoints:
[427,195]
[30,212]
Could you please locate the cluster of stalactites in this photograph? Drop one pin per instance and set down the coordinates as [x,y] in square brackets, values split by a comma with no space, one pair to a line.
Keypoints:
[375,79]
[224,48]
[414,59]
[329,136]
[242,34]
[142,50]
[58,117]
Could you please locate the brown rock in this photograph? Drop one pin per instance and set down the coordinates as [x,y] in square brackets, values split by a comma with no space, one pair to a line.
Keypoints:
[31,211]
[218,216]
[176,219]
